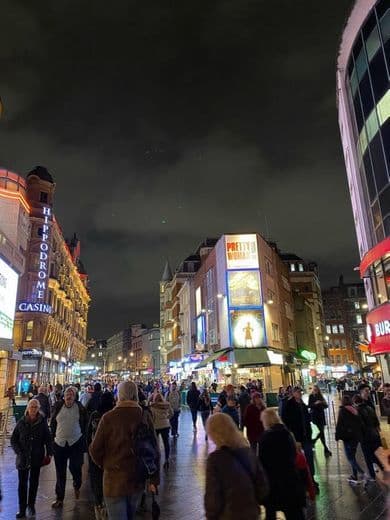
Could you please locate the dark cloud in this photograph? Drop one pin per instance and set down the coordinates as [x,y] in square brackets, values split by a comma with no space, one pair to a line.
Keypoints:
[166,123]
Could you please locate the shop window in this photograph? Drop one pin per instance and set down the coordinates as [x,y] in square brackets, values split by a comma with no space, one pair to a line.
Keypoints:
[29,330]
[379,285]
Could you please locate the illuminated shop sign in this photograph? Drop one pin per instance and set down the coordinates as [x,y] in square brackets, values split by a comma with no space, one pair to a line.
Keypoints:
[308,355]
[241,252]
[378,329]
[244,288]
[275,358]
[34,307]
[39,291]
[247,328]
[8,289]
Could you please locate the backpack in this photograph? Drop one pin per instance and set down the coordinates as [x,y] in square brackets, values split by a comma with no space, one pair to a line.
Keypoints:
[146,450]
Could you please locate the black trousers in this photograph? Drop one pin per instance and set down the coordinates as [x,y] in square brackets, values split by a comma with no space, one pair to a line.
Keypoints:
[75,455]
[164,432]
[96,480]
[30,483]
[175,422]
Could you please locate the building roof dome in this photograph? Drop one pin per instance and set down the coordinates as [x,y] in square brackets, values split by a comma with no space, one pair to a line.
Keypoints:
[42,173]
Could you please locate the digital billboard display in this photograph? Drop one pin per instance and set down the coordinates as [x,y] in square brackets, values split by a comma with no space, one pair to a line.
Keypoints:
[8,290]
[247,328]
[244,288]
[241,251]
[200,332]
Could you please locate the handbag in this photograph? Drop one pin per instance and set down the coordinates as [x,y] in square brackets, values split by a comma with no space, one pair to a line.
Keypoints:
[46,460]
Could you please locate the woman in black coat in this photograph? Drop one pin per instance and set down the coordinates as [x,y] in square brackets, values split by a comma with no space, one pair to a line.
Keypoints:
[317,406]
[193,402]
[31,441]
[277,452]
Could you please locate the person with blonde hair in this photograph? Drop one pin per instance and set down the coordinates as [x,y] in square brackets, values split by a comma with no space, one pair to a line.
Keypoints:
[32,442]
[277,452]
[235,482]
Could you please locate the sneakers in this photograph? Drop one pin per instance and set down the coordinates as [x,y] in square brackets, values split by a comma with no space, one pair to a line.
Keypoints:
[57,504]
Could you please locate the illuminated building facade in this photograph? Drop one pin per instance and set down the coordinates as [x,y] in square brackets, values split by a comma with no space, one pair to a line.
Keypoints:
[53,298]
[363,96]
[14,235]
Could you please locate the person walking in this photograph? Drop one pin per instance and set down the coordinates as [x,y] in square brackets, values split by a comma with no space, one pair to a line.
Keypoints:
[230,408]
[349,429]
[107,403]
[162,413]
[296,417]
[11,395]
[94,401]
[244,400]
[112,449]
[55,396]
[386,401]
[44,402]
[235,481]
[193,402]
[205,408]
[252,421]
[371,440]
[278,453]
[174,399]
[32,442]
[317,406]
[68,426]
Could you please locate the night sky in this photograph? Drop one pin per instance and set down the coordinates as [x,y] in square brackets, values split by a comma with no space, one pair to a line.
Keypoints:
[166,122]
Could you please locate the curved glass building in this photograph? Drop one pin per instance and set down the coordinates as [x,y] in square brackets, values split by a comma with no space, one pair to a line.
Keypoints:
[363,95]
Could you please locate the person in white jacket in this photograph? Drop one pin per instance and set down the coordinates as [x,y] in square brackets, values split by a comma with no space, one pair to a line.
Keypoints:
[174,399]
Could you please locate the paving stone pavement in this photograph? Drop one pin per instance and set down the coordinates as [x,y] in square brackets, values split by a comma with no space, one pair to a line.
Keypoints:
[181,491]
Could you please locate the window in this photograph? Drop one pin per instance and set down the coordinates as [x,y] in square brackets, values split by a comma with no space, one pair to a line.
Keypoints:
[43,197]
[334,329]
[357,305]
[359,320]
[29,330]
[328,329]
[300,268]
[372,43]
[275,331]
[292,267]
[341,329]
[343,343]
[385,26]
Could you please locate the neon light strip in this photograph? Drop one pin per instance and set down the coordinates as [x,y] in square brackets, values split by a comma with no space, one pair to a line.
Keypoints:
[15,196]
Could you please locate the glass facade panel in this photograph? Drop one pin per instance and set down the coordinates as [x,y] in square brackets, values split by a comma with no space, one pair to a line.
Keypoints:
[358,112]
[372,125]
[354,82]
[383,108]
[369,176]
[378,162]
[361,64]
[366,96]
[385,25]
[384,201]
[373,44]
[379,78]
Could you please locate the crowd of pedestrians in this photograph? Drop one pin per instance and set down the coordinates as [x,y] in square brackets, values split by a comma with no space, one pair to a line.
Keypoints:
[263,456]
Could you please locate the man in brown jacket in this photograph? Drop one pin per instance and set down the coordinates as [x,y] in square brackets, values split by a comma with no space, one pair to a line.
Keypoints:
[111,449]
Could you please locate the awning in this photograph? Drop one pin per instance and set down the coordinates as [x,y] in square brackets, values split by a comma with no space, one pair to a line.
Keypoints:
[251,357]
[374,254]
[213,357]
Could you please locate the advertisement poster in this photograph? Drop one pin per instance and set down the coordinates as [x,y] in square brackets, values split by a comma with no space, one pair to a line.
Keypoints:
[247,329]
[244,289]
[241,251]
[200,333]
[8,290]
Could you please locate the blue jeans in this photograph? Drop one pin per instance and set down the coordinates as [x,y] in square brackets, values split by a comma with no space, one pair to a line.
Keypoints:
[350,448]
[123,508]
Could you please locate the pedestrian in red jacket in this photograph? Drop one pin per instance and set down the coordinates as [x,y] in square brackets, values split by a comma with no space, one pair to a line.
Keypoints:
[254,426]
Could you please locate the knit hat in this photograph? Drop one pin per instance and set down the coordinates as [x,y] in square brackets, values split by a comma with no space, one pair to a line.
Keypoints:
[127,391]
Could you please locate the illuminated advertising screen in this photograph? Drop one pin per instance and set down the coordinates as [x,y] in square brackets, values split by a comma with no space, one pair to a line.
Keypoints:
[241,252]
[200,332]
[247,328]
[244,289]
[8,290]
